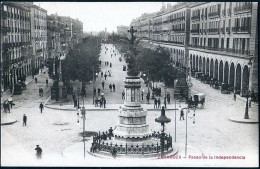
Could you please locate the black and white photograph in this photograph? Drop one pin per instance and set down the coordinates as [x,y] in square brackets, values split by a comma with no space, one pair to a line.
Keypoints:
[129,84]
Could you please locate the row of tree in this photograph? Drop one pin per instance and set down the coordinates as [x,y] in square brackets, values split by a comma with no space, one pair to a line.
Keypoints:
[82,60]
[157,62]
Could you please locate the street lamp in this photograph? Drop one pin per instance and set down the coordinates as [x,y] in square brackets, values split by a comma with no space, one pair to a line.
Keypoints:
[247,91]
[187,111]
[165,96]
[83,112]
[162,119]
[78,96]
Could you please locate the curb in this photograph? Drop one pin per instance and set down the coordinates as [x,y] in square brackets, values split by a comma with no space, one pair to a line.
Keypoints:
[8,123]
[241,121]
[101,109]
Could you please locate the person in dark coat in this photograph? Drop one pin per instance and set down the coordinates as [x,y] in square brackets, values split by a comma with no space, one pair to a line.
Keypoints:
[114,87]
[101,102]
[165,102]
[235,97]
[110,133]
[35,79]
[24,120]
[47,81]
[142,94]
[168,98]
[147,99]
[110,64]
[41,107]
[110,87]
[182,115]
[38,152]
[123,94]
[99,91]
[104,102]
[95,91]
[155,103]
[96,102]
[103,85]
[105,76]
[40,91]
[159,103]
[75,102]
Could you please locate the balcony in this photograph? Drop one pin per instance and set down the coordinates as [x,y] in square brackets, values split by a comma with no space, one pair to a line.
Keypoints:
[213,30]
[242,29]
[197,17]
[244,8]
[195,31]
[178,19]
[235,51]
[214,14]
[178,30]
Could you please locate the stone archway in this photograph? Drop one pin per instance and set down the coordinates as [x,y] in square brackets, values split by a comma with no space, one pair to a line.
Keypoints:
[216,69]
[207,66]
[232,75]
[211,67]
[220,71]
[238,77]
[245,80]
[226,72]
[200,64]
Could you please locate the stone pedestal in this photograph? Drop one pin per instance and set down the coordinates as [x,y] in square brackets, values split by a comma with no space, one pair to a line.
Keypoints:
[132,117]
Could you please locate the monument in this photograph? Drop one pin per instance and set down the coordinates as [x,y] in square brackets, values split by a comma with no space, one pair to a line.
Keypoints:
[132,136]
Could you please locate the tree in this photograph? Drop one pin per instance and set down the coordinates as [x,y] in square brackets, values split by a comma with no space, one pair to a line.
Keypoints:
[80,61]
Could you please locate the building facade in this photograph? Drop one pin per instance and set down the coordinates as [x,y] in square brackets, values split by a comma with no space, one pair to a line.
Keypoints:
[16,48]
[38,36]
[216,38]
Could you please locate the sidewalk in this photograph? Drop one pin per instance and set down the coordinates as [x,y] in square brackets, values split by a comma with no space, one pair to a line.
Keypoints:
[29,79]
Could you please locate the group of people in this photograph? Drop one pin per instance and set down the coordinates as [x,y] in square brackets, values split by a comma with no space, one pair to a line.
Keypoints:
[112,86]
[102,102]
[8,104]
[108,64]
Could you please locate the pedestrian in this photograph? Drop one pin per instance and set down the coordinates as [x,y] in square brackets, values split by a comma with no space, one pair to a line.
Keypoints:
[123,94]
[38,152]
[168,98]
[96,102]
[11,88]
[142,94]
[165,102]
[147,99]
[73,97]
[41,107]
[99,91]
[35,79]
[104,102]
[75,102]
[101,73]
[101,102]
[155,103]
[10,101]
[5,106]
[105,76]
[235,97]
[103,85]
[110,64]
[111,55]
[110,133]
[159,103]
[110,87]
[94,91]
[114,152]
[24,120]
[182,114]
[40,91]
[47,81]
[114,87]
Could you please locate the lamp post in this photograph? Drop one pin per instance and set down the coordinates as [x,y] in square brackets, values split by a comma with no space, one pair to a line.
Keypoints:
[83,112]
[165,96]
[78,96]
[186,140]
[162,119]
[247,91]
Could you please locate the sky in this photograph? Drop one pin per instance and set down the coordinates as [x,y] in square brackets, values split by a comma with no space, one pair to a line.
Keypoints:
[96,16]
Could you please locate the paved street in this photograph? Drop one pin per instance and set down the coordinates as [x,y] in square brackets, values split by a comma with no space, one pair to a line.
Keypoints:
[56,130]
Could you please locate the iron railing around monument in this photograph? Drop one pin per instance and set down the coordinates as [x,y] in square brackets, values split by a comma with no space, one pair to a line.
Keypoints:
[101,143]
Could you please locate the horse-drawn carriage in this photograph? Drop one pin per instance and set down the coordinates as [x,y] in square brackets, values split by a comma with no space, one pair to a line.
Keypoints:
[225,88]
[198,101]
